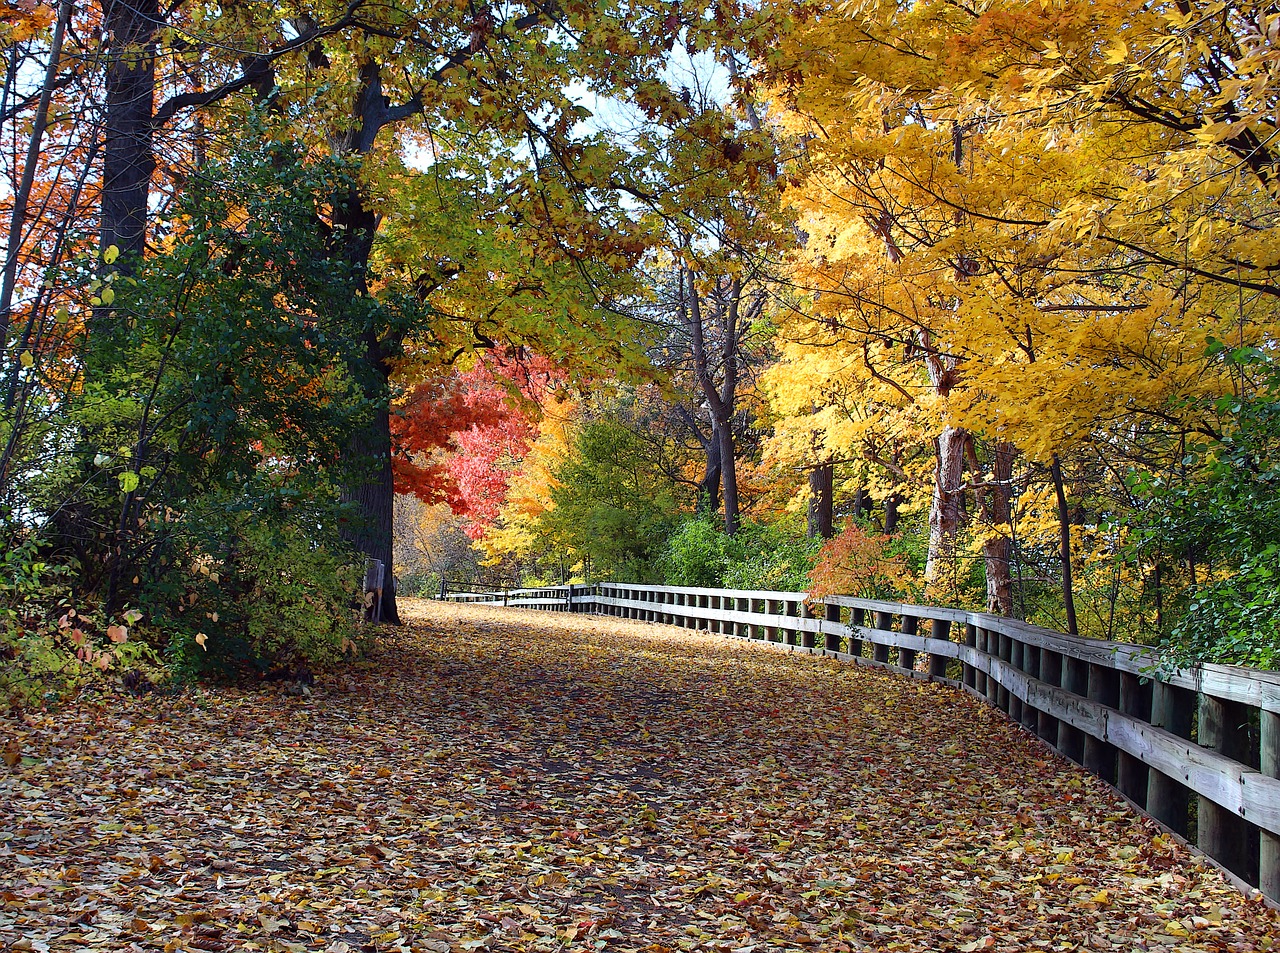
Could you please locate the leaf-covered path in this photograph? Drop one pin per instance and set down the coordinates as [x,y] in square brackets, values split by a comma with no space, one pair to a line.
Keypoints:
[512,781]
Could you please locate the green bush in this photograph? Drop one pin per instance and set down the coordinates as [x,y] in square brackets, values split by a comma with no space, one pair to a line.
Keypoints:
[1233,621]
[1226,514]
[264,584]
[758,556]
[51,644]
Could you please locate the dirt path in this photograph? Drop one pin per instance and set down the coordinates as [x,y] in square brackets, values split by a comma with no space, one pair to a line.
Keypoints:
[510,781]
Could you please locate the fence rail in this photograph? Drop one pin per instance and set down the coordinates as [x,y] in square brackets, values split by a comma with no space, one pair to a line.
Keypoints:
[1198,750]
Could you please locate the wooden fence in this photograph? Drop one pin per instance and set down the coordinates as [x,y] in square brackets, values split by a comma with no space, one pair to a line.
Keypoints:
[1198,750]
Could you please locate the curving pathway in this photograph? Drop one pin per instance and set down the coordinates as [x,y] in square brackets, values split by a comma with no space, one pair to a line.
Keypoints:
[496,780]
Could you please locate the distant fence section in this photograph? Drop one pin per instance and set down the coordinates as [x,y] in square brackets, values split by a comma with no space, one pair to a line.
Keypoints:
[1198,750]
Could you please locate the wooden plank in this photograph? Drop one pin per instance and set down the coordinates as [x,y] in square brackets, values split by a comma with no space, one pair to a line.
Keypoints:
[1168,800]
[1269,848]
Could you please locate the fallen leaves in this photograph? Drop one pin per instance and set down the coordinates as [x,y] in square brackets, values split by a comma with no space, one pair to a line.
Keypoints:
[525,782]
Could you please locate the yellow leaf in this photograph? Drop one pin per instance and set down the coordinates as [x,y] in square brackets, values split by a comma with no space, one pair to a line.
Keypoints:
[1116,53]
[201,639]
[26,359]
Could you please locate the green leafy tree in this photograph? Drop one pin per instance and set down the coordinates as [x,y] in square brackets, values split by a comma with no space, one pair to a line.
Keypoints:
[613,507]
[199,482]
[1225,520]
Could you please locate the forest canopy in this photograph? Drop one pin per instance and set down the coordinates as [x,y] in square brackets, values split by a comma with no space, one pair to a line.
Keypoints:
[973,305]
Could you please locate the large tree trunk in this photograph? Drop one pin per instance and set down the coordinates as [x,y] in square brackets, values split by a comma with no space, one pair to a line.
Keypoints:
[997,551]
[822,501]
[367,473]
[371,488]
[892,503]
[946,513]
[128,158]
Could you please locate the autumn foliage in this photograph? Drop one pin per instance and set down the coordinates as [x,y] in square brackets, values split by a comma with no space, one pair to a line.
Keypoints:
[458,434]
[860,562]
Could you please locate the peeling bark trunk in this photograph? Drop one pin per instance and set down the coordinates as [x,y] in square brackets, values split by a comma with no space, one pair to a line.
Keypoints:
[946,514]
[997,551]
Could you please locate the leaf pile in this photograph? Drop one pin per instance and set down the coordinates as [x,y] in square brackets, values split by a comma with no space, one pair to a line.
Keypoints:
[495,780]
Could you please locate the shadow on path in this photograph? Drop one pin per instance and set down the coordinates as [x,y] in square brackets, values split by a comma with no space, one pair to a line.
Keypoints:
[520,781]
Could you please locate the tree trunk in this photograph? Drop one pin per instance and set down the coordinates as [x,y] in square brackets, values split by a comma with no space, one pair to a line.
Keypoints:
[1064,545]
[729,475]
[822,501]
[891,504]
[709,485]
[371,489]
[998,550]
[128,159]
[367,473]
[945,512]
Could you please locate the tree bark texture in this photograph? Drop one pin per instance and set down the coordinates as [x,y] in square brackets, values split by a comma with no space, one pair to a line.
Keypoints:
[709,485]
[822,501]
[946,512]
[128,157]
[371,488]
[997,551]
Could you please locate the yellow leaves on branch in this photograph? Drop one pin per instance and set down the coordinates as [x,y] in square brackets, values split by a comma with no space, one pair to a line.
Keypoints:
[1014,212]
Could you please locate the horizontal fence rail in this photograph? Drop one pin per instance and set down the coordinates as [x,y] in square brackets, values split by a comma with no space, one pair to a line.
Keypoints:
[1198,750]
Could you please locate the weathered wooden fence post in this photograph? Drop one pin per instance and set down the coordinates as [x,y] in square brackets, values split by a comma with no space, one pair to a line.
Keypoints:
[830,639]
[989,642]
[857,617]
[884,622]
[1050,674]
[1104,688]
[1269,848]
[1168,800]
[1075,679]
[1220,833]
[1013,703]
[906,656]
[806,637]
[1031,666]
[1131,773]
[1004,651]
[939,629]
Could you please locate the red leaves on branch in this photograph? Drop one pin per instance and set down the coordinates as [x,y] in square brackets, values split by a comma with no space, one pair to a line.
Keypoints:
[459,433]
